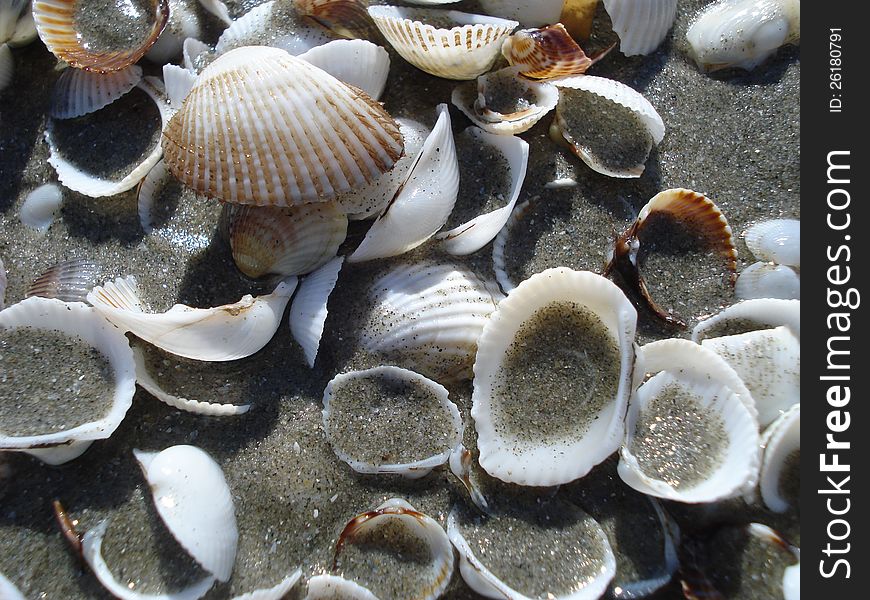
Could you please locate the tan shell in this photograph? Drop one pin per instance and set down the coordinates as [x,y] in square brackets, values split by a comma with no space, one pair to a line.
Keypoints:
[546,53]
[347,18]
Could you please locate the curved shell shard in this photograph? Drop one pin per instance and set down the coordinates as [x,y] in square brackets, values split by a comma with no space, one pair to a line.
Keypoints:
[767,280]
[642,25]
[308,312]
[70,281]
[778,241]
[750,315]
[276,592]
[781,442]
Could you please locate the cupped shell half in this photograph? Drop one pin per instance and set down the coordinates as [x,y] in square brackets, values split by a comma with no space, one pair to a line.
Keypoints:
[266,128]
[641,25]
[552,378]
[781,458]
[335,587]
[751,315]
[449,44]
[390,420]
[546,53]
[77,92]
[777,241]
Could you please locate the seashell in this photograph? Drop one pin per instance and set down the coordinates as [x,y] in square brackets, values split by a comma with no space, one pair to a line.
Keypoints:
[743,33]
[449,44]
[308,311]
[460,464]
[40,207]
[568,336]
[83,39]
[642,25]
[69,281]
[196,55]
[478,232]
[13,15]
[769,363]
[179,82]
[569,550]
[193,499]
[782,444]
[578,17]
[424,202]
[76,179]
[398,526]
[428,317]
[147,193]
[778,241]
[58,455]
[290,167]
[77,92]
[222,333]
[276,592]
[695,212]
[356,62]
[7,66]
[791,583]
[184,22]
[334,587]
[529,13]
[546,53]
[499,264]
[285,241]
[278,24]
[608,125]
[347,18]
[767,280]
[81,330]
[503,103]
[690,434]
[218,9]
[750,315]
[8,591]
[92,543]
[390,420]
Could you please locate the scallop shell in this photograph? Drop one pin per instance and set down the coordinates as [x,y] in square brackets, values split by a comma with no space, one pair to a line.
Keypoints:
[285,241]
[546,53]
[397,410]
[347,18]
[743,33]
[540,454]
[642,25]
[308,312]
[79,92]
[56,23]
[278,24]
[41,206]
[781,439]
[193,499]
[767,280]
[428,317]
[77,320]
[7,66]
[424,202]
[223,333]
[356,62]
[69,281]
[778,241]
[690,436]
[333,587]
[529,13]
[750,315]
[449,44]
[298,152]
[276,592]
[478,232]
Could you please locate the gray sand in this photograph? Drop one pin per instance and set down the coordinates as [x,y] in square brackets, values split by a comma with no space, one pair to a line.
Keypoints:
[733,136]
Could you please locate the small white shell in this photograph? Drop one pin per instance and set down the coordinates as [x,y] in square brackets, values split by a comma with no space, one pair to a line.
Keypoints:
[193,499]
[334,587]
[538,456]
[77,92]
[777,241]
[276,592]
[218,9]
[424,202]
[7,66]
[748,315]
[529,13]
[641,24]
[780,440]
[767,280]
[146,195]
[356,62]
[791,582]
[308,311]
[184,22]
[223,333]
[743,33]
[8,591]
[275,24]
[196,55]
[41,206]
[455,45]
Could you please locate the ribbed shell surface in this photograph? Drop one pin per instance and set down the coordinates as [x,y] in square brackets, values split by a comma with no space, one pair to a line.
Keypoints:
[641,24]
[263,127]
[79,92]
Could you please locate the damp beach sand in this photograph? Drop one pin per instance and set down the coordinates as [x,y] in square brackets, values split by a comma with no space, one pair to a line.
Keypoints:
[733,136]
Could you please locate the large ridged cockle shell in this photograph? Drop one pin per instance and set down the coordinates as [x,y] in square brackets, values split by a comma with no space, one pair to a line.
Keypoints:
[347,18]
[308,311]
[277,23]
[356,62]
[398,528]
[449,44]
[266,128]
[3,283]
[768,280]
[692,432]
[529,13]
[750,315]
[608,125]
[743,33]
[70,281]
[41,206]
[563,339]
[335,587]
[390,420]
[7,66]
[193,499]
[77,92]
[641,24]
[64,26]
[222,333]
[777,241]
[81,324]
[423,203]
[428,317]
[546,53]
[276,592]
[268,240]
[782,445]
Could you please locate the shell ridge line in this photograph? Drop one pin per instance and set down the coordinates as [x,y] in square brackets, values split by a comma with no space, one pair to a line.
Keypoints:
[365,109]
[250,159]
[306,138]
[269,174]
[237,174]
[223,121]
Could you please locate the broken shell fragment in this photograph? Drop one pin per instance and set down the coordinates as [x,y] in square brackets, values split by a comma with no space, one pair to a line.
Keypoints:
[70,281]
[641,25]
[390,420]
[791,582]
[567,336]
[767,280]
[147,193]
[308,311]
[359,63]
[777,241]
[347,18]
[546,53]
[781,461]
[499,263]
[8,591]
[77,92]
[750,315]
[41,206]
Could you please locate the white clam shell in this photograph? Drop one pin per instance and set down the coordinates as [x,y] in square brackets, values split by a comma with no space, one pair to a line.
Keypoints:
[277,592]
[767,280]
[529,13]
[743,33]
[41,207]
[178,81]
[277,24]
[478,232]
[424,202]
[218,9]
[763,313]
[183,23]
[7,66]
[525,458]
[193,499]
[768,361]
[196,55]
[358,62]
[641,24]
[705,384]
[77,92]
[780,440]
[222,333]
[384,414]
[778,241]
[334,587]
[463,49]
[8,591]
[308,311]
[791,583]
[77,320]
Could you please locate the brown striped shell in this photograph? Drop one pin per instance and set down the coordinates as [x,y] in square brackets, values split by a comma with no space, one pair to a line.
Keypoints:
[347,18]
[546,53]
